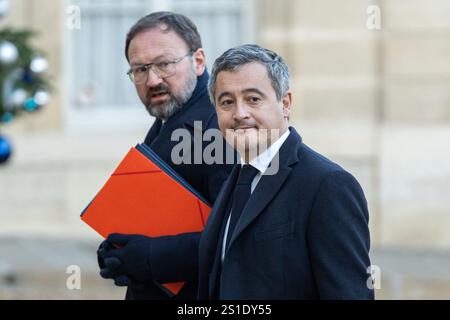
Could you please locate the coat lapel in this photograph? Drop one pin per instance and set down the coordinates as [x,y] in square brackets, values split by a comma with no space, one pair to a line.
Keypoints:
[269,185]
[213,232]
[218,214]
[265,191]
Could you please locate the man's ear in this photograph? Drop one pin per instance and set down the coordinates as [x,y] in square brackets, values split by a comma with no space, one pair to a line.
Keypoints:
[200,61]
[287,103]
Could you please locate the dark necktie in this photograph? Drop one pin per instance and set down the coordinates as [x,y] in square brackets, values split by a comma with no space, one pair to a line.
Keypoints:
[241,193]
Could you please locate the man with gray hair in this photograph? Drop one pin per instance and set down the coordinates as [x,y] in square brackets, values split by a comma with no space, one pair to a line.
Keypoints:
[300,232]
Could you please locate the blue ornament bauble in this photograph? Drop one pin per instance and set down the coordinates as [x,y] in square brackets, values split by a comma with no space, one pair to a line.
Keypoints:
[30,105]
[5,150]
[7,117]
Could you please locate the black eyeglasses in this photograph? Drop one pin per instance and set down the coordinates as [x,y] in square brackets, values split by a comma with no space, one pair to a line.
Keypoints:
[163,69]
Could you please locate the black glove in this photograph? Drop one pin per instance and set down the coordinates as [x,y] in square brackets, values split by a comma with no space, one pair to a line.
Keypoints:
[128,261]
[104,247]
[105,272]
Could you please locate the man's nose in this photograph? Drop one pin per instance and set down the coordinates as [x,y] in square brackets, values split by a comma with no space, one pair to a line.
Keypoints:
[241,111]
[153,79]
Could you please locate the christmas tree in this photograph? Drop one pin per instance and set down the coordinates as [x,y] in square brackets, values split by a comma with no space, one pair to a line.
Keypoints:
[23,85]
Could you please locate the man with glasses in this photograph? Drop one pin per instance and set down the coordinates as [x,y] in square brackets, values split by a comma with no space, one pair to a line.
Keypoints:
[168,69]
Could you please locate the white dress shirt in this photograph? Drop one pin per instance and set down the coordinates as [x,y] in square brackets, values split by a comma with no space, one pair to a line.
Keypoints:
[261,162]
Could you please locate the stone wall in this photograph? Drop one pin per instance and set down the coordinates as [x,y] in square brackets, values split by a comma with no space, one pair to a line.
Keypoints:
[377,101]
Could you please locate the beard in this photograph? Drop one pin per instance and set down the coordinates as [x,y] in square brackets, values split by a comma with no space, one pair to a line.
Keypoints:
[167,109]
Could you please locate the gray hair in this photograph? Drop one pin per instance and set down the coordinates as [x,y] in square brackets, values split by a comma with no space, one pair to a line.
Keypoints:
[234,58]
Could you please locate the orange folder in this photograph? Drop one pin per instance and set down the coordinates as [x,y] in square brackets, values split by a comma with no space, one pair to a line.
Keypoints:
[145,196]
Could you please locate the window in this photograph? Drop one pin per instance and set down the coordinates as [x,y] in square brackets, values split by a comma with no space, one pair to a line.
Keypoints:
[222,23]
[98,92]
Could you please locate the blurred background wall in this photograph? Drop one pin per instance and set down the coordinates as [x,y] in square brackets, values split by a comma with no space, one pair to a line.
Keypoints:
[373,97]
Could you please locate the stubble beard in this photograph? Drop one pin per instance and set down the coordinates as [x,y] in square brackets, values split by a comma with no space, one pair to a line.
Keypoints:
[165,110]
